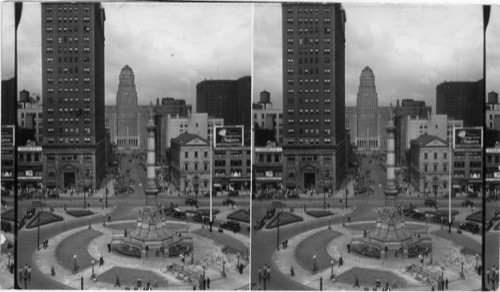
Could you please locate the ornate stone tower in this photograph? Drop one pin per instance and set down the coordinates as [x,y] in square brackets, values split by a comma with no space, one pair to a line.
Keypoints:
[151,190]
[390,188]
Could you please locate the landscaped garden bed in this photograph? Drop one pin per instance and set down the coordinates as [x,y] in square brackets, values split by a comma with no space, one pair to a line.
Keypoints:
[45,218]
[8,215]
[319,213]
[204,211]
[284,219]
[240,215]
[444,212]
[79,212]
[366,250]
[476,217]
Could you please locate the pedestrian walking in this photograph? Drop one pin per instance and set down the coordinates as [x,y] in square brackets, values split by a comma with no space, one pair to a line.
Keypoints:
[117,281]
[208,283]
[109,217]
[29,273]
[292,271]
[139,283]
[446,283]
[356,281]
[101,260]
[260,273]
[268,274]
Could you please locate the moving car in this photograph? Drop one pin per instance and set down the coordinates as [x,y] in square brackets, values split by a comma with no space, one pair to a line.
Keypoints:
[467,203]
[270,213]
[228,202]
[431,203]
[177,213]
[470,226]
[418,215]
[439,218]
[497,215]
[199,217]
[191,202]
[259,224]
[231,225]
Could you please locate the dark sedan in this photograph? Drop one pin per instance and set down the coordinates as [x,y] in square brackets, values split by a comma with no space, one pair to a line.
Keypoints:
[470,226]
[228,202]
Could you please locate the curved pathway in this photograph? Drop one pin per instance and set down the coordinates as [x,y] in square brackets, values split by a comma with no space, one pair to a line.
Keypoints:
[443,253]
[46,258]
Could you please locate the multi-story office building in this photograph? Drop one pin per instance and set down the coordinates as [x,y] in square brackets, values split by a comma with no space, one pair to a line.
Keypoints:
[430,165]
[436,125]
[226,99]
[30,166]
[194,123]
[314,132]
[462,100]
[127,132]
[493,111]
[231,167]
[468,159]
[29,114]
[190,163]
[73,94]
[268,167]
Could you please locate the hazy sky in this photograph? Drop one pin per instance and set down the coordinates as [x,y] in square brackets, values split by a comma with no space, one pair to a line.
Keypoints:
[493,51]
[410,48]
[169,46]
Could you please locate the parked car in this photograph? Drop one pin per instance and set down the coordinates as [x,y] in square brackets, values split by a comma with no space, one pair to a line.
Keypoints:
[408,211]
[259,224]
[270,213]
[191,202]
[199,217]
[497,215]
[30,213]
[6,227]
[231,225]
[467,203]
[488,225]
[418,215]
[177,213]
[470,226]
[431,203]
[228,202]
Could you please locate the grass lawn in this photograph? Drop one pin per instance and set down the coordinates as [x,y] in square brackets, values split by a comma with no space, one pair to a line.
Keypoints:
[316,245]
[221,238]
[76,244]
[459,239]
[368,278]
[45,218]
[371,226]
[128,277]
[132,225]
[476,217]
[284,219]
[8,215]
[240,215]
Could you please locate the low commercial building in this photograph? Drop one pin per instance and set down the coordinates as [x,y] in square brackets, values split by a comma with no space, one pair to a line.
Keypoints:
[190,163]
[268,167]
[30,166]
[429,165]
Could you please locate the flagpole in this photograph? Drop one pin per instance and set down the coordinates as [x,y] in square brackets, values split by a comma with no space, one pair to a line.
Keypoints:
[449,183]
[211,187]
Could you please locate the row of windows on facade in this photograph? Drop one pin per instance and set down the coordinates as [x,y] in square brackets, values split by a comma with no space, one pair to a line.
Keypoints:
[40,115]
[67,29]
[50,19]
[51,140]
[232,153]
[327,174]
[50,100]
[70,80]
[472,174]
[232,173]
[310,60]
[269,158]
[67,8]
[67,50]
[307,10]
[65,157]
[492,158]
[306,111]
[222,163]
[309,131]
[69,70]
[472,164]
[66,110]
[472,155]
[29,157]
[273,116]
[307,40]
[66,39]
[309,81]
[310,71]
[68,120]
[308,157]
[309,141]
[69,130]
[290,91]
[326,30]
[69,59]
[290,20]
[435,167]
[291,101]
[310,51]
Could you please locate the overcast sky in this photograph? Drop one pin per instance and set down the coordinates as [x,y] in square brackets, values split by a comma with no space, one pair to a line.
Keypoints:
[411,49]
[169,46]
[493,51]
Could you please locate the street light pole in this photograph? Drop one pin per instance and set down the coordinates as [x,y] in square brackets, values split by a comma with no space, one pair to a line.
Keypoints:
[38,231]
[278,233]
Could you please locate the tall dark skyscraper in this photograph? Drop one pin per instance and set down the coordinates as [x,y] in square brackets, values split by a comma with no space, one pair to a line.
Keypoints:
[462,100]
[73,94]
[314,135]
[127,113]
[227,99]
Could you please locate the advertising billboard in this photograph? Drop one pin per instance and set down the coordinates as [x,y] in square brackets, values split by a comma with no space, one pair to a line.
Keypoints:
[468,137]
[228,136]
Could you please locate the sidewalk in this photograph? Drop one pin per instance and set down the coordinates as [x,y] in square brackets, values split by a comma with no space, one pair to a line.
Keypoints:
[46,258]
[442,253]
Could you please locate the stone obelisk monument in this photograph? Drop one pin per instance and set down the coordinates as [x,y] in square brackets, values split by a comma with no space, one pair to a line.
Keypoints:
[151,190]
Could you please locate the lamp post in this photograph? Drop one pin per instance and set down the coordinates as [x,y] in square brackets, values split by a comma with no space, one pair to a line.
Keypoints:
[278,233]
[90,227]
[75,262]
[93,274]
[332,263]
[196,184]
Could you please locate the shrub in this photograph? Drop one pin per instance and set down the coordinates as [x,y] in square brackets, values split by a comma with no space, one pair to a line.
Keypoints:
[319,213]
[240,215]
[284,219]
[417,249]
[128,249]
[45,218]
[366,250]
[79,213]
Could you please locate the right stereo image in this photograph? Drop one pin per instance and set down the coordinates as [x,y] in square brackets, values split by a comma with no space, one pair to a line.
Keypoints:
[376,147]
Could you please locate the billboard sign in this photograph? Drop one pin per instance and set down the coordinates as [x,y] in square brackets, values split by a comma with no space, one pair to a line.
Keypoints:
[468,137]
[228,136]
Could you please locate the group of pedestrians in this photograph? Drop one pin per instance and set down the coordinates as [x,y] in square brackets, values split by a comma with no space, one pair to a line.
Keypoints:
[265,273]
[492,276]
[25,273]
